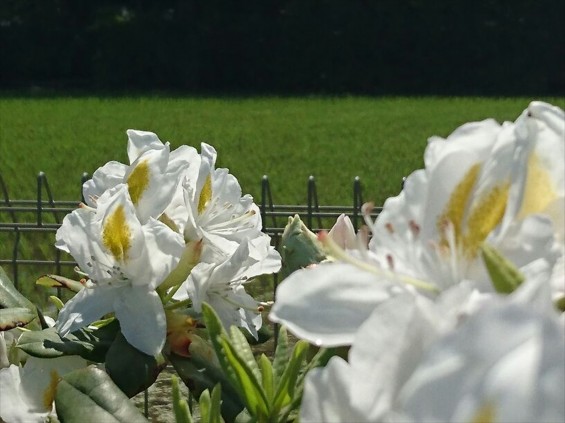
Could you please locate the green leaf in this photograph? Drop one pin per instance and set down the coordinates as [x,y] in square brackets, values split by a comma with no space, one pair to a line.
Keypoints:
[56,281]
[504,275]
[267,377]
[215,405]
[287,383]
[242,347]
[15,317]
[320,359]
[235,367]
[90,395]
[252,392]
[216,330]
[205,404]
[180,406]
[90,344]
[130,369]
[281,354]
[10,297]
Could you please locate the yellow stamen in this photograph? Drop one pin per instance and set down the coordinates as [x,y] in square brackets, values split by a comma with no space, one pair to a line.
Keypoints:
[539,191]
[116,234]
[205,194]
[49,393]
[470,231]
[456,206]
[138,181]
[485,414]
[484,217]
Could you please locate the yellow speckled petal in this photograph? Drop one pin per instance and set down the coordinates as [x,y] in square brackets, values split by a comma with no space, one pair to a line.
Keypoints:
[205,195]
[116,234]
[138,181]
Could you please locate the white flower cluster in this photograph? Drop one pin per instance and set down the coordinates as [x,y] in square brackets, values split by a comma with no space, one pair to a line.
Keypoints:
[167,225]
[431,338]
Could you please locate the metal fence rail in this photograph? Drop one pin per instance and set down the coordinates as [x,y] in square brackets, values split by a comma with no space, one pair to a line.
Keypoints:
[44,214]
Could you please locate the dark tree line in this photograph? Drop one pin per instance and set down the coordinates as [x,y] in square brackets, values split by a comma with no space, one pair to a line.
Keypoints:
[488,47]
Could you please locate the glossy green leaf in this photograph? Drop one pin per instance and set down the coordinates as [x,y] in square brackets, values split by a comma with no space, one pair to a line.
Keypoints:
[180,406]
[90,344]
[320,359]
[13,317]
[282,352]
[267,377]
[56,281]
[242,347]
[287,383]
[10,297]
[215,405]
[130,369]
[90,395]
[504,275]
[250,388]
[216,331]
[205,405]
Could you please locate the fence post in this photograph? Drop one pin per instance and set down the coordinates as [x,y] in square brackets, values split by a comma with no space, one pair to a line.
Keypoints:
[357,201]
[313,205]
[40,177]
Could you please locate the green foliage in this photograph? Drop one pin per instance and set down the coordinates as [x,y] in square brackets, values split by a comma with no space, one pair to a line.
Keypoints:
[90,395]
[180,406]
[270,391]
[130,369]
[90,344]
[15,317]
[15,309]
[10,296]
[56,281]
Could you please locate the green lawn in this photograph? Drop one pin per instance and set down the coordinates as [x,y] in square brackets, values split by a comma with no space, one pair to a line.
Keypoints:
[379,139]
[334,139]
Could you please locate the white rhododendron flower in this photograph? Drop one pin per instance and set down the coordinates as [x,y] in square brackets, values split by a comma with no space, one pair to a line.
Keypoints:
[502,185]
[152,177]
[221,284]
[125,261]
[215,210]
[504,363]
[27,393]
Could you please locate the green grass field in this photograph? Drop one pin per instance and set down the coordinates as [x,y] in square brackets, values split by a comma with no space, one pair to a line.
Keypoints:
[335,139]
[288,139]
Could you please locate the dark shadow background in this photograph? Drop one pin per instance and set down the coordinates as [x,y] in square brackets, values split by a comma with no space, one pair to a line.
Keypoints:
[250,47]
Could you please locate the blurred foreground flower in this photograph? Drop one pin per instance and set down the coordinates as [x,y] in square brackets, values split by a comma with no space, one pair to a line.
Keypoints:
[488,184]
[503,364]
[27,393]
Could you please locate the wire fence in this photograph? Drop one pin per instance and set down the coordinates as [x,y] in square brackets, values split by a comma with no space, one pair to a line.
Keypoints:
[21,220]
[32,221]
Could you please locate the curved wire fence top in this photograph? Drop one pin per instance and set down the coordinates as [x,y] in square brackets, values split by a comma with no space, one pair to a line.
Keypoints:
[23,220]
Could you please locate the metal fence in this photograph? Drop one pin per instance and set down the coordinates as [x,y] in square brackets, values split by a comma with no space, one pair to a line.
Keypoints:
[44,214]
[25,220]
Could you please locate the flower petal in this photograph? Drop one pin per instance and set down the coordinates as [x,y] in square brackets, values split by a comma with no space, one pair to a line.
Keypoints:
[327,394]
[142,319]
[327,304]
[87,306]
